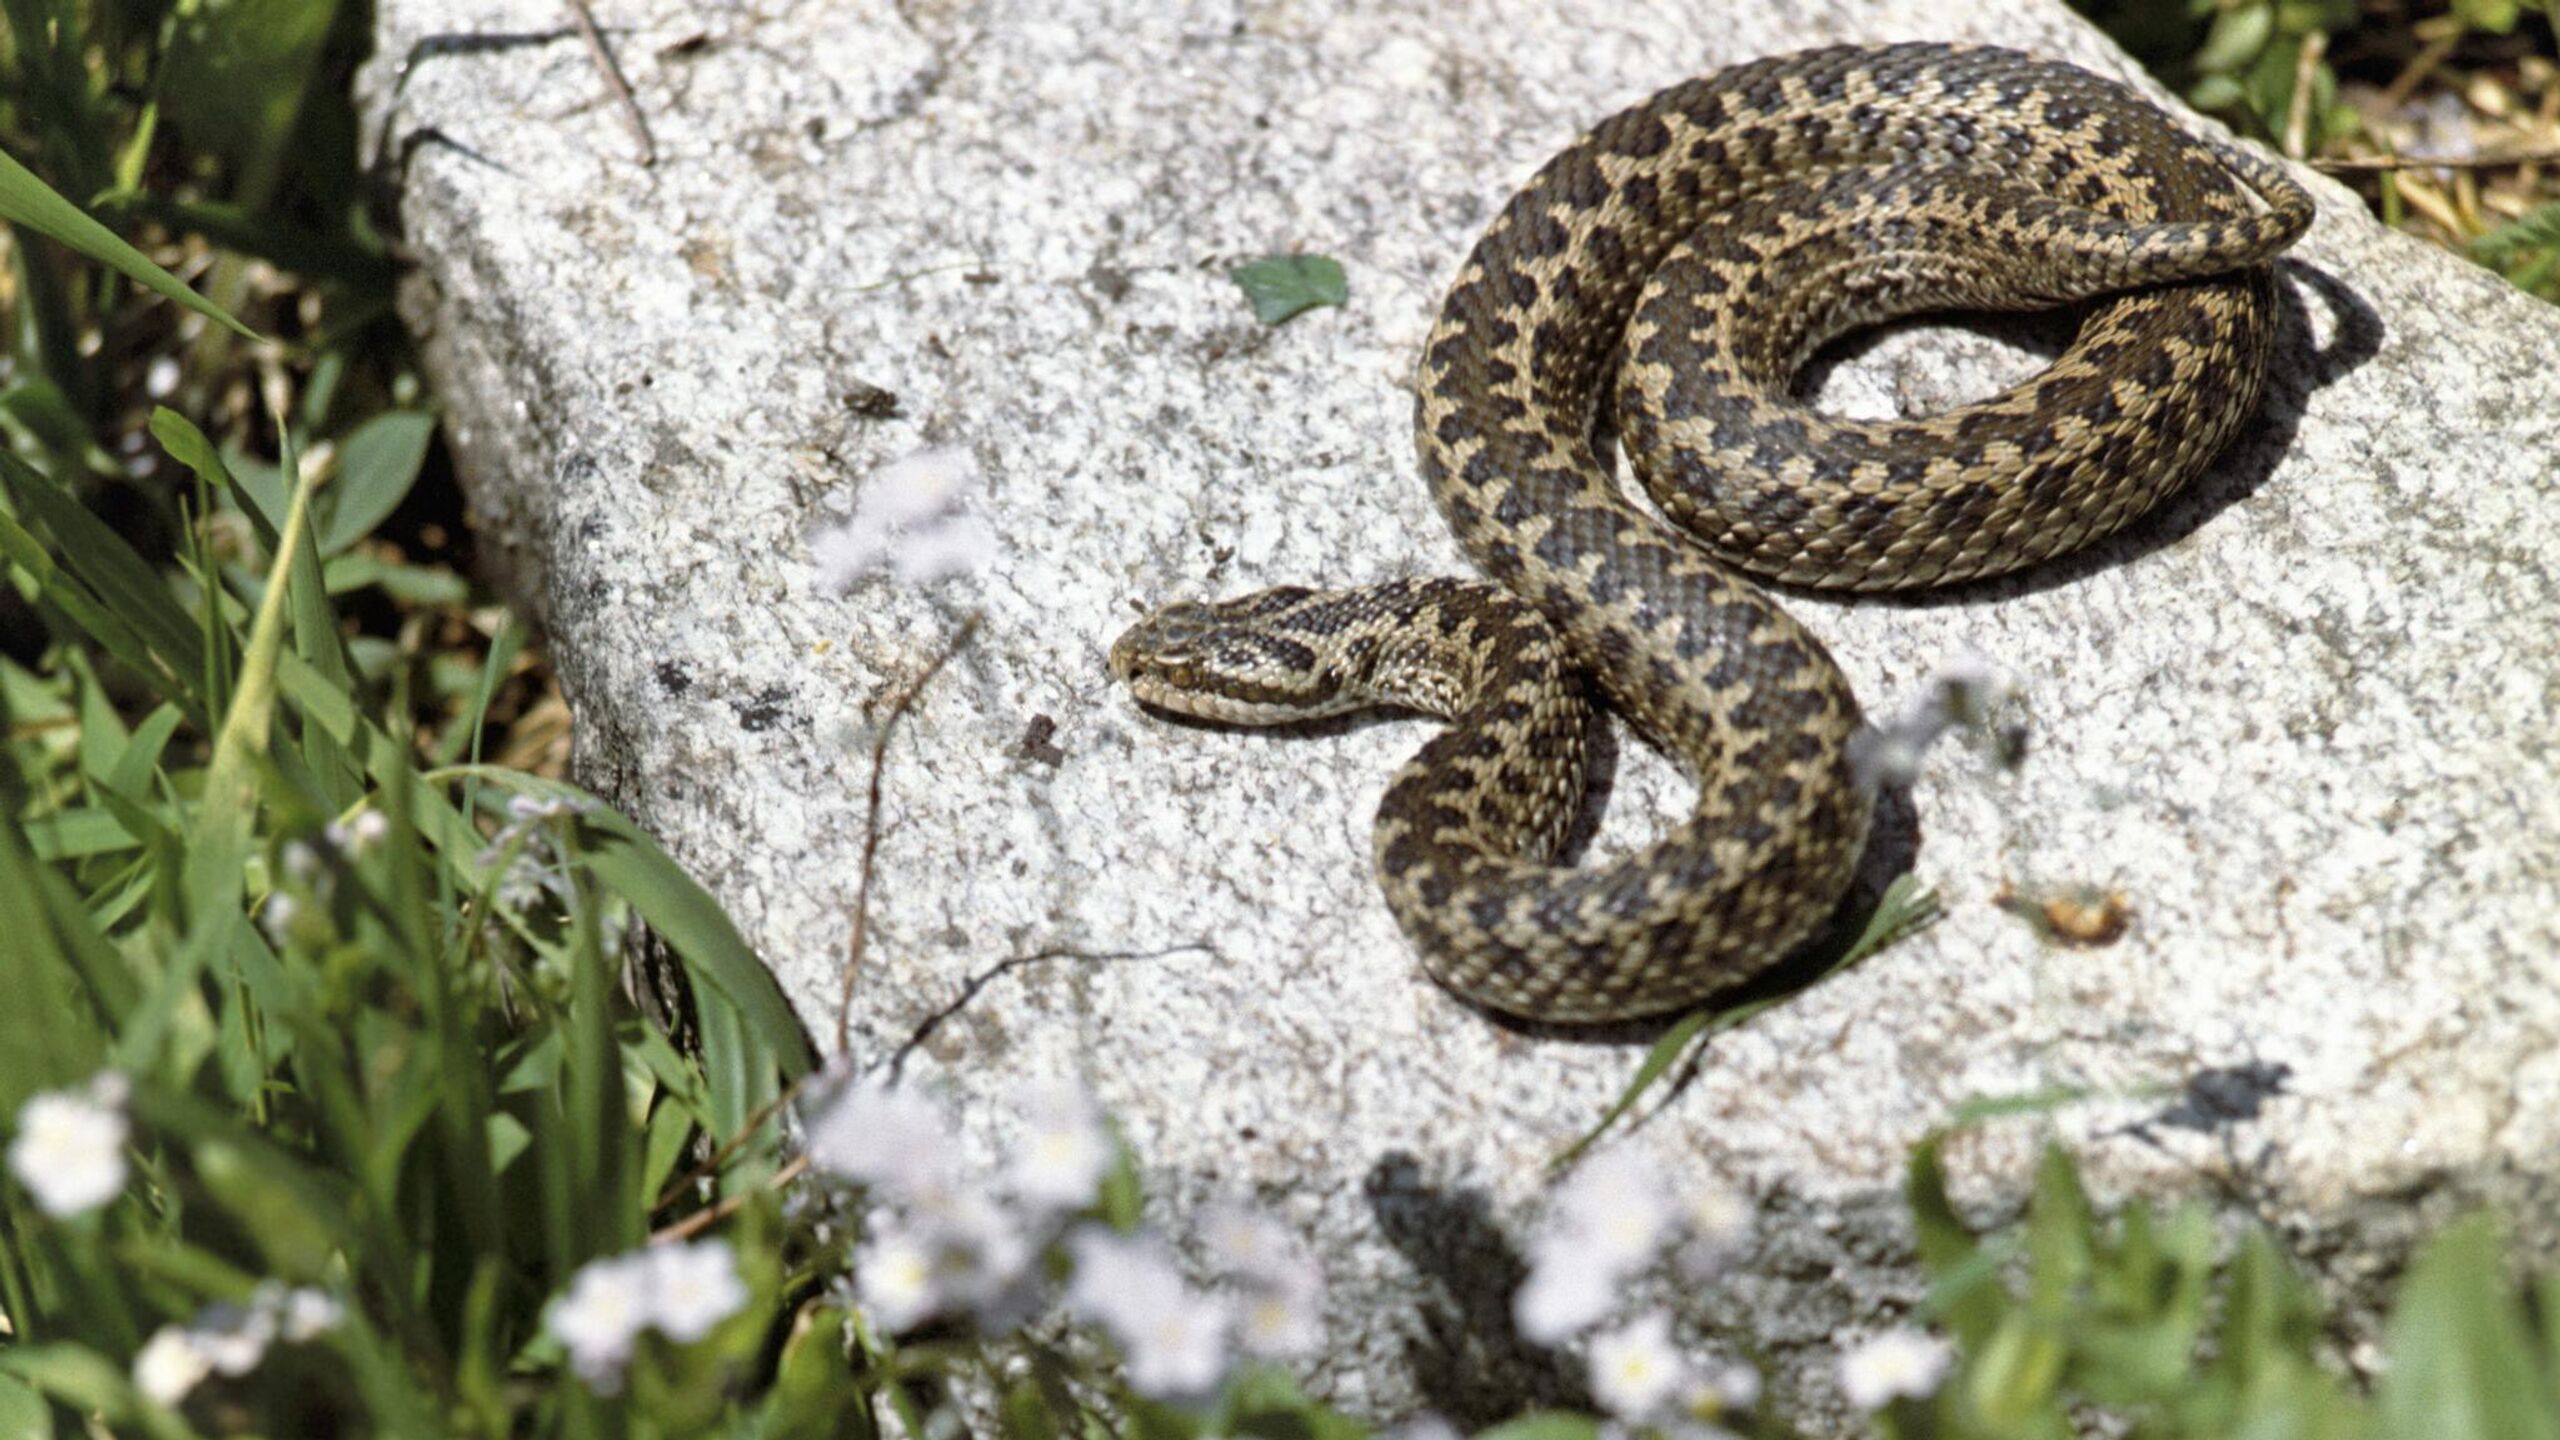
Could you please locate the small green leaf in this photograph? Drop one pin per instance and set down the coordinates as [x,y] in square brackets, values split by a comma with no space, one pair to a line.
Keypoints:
[814,1395]
[2238,34]
[376,467]
[26,200]
[2498,17]
[1281,286]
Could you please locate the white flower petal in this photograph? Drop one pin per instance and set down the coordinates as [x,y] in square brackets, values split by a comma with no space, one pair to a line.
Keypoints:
[1562,1298]
[692,1288]
[168,1366]
[1636,1372]
[872,1134]
[69,1152]
[1896,1364]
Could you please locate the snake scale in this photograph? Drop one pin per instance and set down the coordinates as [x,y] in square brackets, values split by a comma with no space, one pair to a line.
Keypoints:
[1692,253]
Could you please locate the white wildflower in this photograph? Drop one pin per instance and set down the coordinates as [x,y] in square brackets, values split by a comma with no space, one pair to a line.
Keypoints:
[69,1151]
[1281,1287]
[1178,1350]
[1727,1389]
[872,1134]
[1251,1243]
[1893,1365]
[1888,756]
[301,862]
[359,836]
[160,379]
[957,546]
[602,1316]
[1562,1298]
[692,1288]
[532,809]
[1718,1218]
[1605,1222]
[168,1366]
[1066,1151]
[1172,1337]
[1613,1212]
[233,1338]
[896,1279]
[304,1315]
[1636,1373]
[276,916]
[1280,1323]
[961,1252]
[913,514]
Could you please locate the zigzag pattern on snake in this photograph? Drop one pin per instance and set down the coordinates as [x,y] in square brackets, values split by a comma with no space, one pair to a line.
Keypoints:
[1700,247]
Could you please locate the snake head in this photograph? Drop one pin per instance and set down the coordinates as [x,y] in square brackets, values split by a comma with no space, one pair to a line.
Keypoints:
[1234,661]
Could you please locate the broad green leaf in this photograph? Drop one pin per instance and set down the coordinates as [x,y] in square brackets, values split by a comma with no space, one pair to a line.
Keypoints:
[77,834]
[74,1375]
[1948,1245]
[2061,1236]
[22,1410]
[28,201]
[2012,1379]
[815,1395]
[235,77]
[376,466]
[2462,1365]
[1283,286]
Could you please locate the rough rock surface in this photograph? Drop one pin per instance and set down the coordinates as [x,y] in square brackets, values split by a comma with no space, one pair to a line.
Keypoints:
[2302,721]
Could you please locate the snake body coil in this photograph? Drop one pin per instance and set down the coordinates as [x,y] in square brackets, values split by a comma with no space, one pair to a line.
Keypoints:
[1703,245]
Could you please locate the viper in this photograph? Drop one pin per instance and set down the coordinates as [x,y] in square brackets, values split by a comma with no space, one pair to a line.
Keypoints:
[1677,267]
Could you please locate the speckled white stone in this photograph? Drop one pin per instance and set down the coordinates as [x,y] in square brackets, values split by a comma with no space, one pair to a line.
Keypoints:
[2302,720]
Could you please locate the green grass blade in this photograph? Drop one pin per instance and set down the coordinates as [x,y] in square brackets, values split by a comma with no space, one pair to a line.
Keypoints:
[1904,910]
[28,201]
[121,580]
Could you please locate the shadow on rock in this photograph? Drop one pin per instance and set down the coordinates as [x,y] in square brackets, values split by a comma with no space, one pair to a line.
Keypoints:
[1466,1355]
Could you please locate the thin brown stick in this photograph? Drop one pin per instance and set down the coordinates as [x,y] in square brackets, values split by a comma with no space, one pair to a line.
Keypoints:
[871,828]
[628,107]
[710,1215]
[674,1189]
[2297,120]
[2363,163]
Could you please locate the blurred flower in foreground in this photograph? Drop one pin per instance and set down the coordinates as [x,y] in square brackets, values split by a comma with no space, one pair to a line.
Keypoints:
[1172,1336]
[1278,1283]
[230,1339]
[1896,1364]
[1066,1151]
[872,1133]
[69,1150]
[1604,1223]
[1636,1373]
[682,1291]
[1965,692]
[912,518]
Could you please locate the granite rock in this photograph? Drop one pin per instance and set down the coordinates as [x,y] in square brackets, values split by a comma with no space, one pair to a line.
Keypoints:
[2299,724]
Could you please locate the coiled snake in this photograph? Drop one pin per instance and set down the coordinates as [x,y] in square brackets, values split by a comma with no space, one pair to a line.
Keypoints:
[1702,246]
